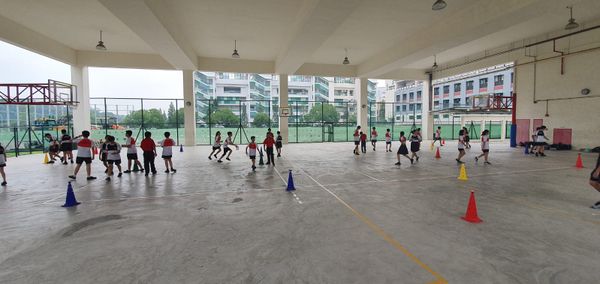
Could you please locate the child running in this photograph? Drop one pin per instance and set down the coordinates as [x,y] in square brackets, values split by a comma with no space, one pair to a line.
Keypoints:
[216,148]
[363,142]
[279,144]
[485,147]
[403,150]
[388,141]
[415,144]
[252,152]
[66,146]
[113,157]
[373,138]
[594,180]
[541,141]
[461,146]
[268,145]
[437,136]
[149,148]
[226,149]
[2,165]
[467,138]
[131,152]
[85,154]
[167,152]
[356,136]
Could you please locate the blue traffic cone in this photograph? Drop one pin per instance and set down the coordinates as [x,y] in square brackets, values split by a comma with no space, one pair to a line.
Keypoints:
[260,160]
[290,184]
[180,147]
[71,200]
[526,149]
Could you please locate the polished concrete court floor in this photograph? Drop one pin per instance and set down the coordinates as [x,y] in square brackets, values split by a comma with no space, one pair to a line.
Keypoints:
[352,219]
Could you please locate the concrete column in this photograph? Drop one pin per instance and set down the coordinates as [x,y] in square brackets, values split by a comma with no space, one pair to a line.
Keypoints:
[362,104]
[503,129]
[283,102]
[189,109]
[426,115]
[81,112]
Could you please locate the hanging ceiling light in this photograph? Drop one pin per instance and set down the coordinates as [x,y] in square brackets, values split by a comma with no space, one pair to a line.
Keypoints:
[235,53]
[100,45]
[346,61]
[434,66]
[438,5]
[572,24]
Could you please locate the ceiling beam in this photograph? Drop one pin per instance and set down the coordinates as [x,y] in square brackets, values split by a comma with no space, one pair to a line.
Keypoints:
[469,24]
[316,21]
[153,22]
[122,60]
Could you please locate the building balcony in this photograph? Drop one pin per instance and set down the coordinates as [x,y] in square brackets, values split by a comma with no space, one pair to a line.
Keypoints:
[499,87]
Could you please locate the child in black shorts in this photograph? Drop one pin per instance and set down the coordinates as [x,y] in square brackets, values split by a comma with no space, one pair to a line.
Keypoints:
[2,164]
[595,181]
[279,144]
[252,153]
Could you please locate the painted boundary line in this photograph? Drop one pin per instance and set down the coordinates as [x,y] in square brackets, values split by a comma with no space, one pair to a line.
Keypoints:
[387,237]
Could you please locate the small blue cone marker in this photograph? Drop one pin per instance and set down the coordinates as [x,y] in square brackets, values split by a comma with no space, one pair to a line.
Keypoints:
[290,185]
[180,147]
[71,201]
[526,149]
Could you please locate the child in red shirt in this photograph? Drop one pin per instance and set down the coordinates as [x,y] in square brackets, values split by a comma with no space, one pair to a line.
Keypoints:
[252,153]
[268,144]
[363,142]
[149,148]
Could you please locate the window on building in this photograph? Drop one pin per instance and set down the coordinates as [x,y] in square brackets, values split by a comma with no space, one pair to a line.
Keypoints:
[418,106]
[411,96]
[418,117]
[232,90]
[397,108]
[404,108]
[411,107]
[498,80]
[436,91]
[483,83]
[512,77]
[404,97]
[419,95]
[456,102]
[470,85]
[436,103]
[446,89]
[397,98]
[457,87]
[446,103]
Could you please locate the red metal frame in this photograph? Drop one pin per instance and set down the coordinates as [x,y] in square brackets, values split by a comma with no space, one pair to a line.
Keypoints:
[494,102]
[51,93]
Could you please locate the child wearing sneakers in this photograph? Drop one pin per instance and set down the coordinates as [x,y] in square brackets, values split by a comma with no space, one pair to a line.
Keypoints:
[113,157]
[268,145]
[356,136]
[252,152]
[85,154]
[2,164]
[226,149]
[388,141]
[53,148]
[461,146]
[66,146]
[373,138]
[167,152]
[216,148]
[363,142]
[279,143]
[149,148]
[131,152]
[403,150]
[485,146]
[437,136]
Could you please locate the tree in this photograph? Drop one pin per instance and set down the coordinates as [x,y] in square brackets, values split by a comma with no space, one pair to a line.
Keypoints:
[261,119]
[352,118]
[174,116]
[324,112]
[224,117]
[153,118]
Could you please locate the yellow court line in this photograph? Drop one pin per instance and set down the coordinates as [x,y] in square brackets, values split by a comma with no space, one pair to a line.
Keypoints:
[387,237]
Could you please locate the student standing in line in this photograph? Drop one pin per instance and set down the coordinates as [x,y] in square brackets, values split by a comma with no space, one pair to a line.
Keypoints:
[131,152]
[3,164]
[113,157]
[149,148]
[595,181]
[167,152]
[85,154]
[415,144]
[541,141]
[388,141]
[363,142]
[66,146]
[279,144]
[373,138]
[461,146]
[268,145]
[485,146]
[216,148]
[103,153]
[356,140]
[437,136]
[226,149]
[403,150]
[467,138]
[252,153]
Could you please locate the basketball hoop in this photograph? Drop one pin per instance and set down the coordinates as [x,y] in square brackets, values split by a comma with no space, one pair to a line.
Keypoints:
[284,111]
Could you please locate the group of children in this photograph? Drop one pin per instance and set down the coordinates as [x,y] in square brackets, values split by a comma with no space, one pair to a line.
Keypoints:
[269,143]
[539,142]
[110,153]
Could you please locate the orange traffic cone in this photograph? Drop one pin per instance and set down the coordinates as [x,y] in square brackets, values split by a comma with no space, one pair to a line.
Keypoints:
[437,153]
[471,215]
[443,142]
[579,163]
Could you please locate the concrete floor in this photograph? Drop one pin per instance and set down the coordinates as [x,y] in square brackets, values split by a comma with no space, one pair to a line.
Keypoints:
[351,220]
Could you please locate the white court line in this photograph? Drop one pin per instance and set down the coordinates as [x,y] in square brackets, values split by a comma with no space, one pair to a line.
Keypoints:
[373,178]
[285,182]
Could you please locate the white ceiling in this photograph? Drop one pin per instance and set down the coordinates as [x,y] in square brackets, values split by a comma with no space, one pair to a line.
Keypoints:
[380,35]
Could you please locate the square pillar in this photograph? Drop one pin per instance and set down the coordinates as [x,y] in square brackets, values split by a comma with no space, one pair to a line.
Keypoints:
[503,130]
[283,102]
[426,114]
[189,109]
[81,112]
[362,105]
